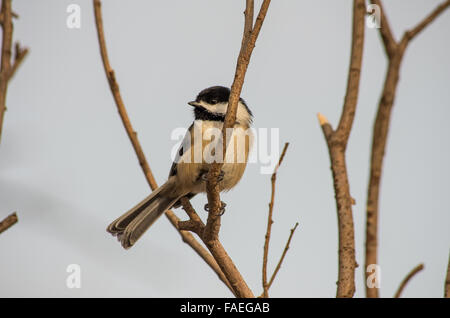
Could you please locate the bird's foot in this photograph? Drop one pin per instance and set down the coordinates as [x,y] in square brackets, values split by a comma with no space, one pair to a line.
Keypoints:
[222,208]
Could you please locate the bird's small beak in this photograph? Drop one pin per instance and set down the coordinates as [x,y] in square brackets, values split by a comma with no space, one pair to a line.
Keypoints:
[194,103]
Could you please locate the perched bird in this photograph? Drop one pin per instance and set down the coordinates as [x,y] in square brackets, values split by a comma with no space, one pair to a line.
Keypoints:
[200,147]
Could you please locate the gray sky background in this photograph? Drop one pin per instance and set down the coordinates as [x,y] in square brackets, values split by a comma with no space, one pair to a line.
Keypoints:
[67,166]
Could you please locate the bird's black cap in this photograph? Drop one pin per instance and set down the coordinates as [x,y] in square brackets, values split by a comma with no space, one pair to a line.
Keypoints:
[217,94]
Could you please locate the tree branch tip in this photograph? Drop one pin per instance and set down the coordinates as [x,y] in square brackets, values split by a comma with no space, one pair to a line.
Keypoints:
[408,277]
[322,119]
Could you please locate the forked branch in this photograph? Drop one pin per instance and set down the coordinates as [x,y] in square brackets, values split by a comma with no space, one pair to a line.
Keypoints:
[273,179]
[337,142]
[187,237]
[210,232]
[395,51]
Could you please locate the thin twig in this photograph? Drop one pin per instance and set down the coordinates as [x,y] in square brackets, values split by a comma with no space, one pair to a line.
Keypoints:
[282,256]
[408,277]
[187,237]
[20,55]
[395,51]
[337,143]
[5,64]
[9,221]
[447,281]
[270,222]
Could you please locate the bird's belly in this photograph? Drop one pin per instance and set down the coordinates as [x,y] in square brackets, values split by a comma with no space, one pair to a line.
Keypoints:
[189,176]
[198,159]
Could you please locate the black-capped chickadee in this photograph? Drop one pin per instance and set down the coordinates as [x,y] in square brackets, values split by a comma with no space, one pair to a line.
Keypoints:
[200,147]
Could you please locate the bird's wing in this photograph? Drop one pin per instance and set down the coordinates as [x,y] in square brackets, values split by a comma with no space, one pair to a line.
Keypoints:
[185,147]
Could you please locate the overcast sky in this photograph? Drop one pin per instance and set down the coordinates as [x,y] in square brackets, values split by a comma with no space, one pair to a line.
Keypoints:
[68,169]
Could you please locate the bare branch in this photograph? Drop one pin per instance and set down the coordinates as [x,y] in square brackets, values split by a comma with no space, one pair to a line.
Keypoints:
[282,256]
[248,25]
[425,22]
[269,223]
[21,53]
[326,126]
[174,220]
[380,133]
[408,277]
[337,143]
[389,42]
[9,221]
[351,96]
[5,64]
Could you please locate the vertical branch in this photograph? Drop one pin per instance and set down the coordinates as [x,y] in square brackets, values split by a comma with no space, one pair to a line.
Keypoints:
[337,143]
[385,30]
[212,185]
[5,64]
[395,51]
[273,180]
[380,132]
[9,221]
[187,237]
[6,70]
[248,24]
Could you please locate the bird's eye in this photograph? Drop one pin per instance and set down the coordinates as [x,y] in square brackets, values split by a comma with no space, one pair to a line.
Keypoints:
[214,101]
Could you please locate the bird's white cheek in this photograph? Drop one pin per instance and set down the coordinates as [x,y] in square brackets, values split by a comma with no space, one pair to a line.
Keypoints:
[216,108]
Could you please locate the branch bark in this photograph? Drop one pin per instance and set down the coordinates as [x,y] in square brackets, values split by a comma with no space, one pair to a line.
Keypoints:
[9,221]
[337,142]
[395,51]
[408,277]
[187,237]
[6,71]
[5,63]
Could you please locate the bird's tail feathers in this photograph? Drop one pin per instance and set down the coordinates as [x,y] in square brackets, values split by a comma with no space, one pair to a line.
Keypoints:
[130,226]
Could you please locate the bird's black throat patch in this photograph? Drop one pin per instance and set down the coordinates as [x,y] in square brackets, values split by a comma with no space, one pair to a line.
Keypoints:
[202,113]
